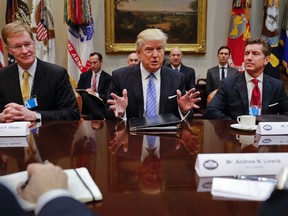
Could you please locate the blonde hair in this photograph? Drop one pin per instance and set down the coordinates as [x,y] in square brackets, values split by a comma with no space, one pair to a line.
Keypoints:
[151,34]
[15,28]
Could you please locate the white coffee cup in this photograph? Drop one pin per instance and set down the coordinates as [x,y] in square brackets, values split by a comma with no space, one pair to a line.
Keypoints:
[245,139]
[246,121]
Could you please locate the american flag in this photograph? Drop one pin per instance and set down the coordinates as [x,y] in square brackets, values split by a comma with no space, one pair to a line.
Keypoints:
[41,32]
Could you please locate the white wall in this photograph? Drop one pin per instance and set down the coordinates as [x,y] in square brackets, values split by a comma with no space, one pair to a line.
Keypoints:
[218,19]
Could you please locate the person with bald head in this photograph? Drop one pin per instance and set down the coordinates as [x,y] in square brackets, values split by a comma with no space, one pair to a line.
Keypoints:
[132,59]
[175,58]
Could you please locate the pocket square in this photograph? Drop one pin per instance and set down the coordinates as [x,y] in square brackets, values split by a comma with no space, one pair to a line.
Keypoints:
[271,105]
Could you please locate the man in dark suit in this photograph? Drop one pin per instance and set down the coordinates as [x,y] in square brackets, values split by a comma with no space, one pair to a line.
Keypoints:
[130,85]
[214,74]
[176,57]
[45,90]
[95,82]
[235,94]
[55,199]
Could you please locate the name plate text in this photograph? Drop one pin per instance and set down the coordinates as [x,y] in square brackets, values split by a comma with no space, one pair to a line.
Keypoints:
[209,165]
[14,129]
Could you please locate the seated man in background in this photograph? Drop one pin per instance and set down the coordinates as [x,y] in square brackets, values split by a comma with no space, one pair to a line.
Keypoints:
[95,82]
[43,88]
[47,187]
[219,72]
[175,58]
[148,88]
[250,92]
[132,59]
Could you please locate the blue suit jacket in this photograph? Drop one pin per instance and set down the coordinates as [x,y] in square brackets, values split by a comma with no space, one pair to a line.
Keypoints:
[62,206]
[130,78]
[104,83]
[231,100]
[54,93]
[213,78]
[189,76]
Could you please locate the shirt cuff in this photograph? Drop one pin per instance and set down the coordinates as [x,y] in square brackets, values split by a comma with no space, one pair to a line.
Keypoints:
[48,196]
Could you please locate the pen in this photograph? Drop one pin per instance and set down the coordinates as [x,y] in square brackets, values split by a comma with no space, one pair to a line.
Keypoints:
[256,178]
[27,181]
[170,97]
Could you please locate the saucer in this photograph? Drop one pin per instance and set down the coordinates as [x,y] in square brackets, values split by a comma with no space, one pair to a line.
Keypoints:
[238,127]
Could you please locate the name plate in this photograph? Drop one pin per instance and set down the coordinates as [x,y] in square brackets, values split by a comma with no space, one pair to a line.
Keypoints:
[13,141]
[272,128]
[271,140]
[14,129]
[209,165]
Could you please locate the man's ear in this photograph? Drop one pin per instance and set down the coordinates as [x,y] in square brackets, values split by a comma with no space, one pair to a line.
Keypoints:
[267,60]
[8,49]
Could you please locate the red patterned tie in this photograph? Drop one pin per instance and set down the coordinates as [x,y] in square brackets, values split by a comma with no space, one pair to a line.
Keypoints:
[256,95]
[94,87]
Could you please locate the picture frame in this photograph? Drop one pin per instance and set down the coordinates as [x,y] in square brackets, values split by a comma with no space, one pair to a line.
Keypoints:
[122,24]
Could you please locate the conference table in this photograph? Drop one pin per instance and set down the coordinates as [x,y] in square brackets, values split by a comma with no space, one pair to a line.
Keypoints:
[162,182]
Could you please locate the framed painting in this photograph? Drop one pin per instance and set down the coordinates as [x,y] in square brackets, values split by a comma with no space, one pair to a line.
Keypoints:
[184,21]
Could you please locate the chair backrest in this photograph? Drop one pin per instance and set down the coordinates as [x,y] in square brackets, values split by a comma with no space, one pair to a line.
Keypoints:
[201,87]
[79,101]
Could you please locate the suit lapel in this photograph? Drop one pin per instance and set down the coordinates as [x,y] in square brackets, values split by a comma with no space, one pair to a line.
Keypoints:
[265,94]
[217,76]
[39,79]
[138,89]
[164,85]
[14,77]
[242,90]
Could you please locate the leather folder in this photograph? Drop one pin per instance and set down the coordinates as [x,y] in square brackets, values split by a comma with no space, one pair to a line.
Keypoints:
[163,122]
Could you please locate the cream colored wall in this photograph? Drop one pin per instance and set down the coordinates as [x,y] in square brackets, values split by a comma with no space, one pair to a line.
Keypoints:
[218,18]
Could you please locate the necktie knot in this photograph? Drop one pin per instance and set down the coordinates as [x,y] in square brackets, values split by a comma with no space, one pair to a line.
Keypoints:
[26,75]
[151,76]
[255,81]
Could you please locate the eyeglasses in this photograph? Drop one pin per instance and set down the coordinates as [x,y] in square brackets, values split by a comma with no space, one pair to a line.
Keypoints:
[20,47]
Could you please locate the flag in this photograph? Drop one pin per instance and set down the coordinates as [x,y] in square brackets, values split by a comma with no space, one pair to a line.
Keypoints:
[271,33]
[283,42]
[42,25]
[2,62]
[16,10]
[239,32]
[80,37]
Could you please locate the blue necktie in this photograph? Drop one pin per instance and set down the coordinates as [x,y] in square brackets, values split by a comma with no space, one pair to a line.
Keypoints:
[151,97]
[151,141]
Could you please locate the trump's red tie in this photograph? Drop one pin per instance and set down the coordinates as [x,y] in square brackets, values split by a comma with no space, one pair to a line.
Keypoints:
[256,94]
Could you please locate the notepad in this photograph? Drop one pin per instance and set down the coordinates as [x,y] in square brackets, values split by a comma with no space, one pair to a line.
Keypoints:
[80,184]
[241,189]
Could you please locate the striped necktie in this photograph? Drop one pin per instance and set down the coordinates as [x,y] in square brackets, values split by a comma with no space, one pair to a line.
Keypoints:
[151,97]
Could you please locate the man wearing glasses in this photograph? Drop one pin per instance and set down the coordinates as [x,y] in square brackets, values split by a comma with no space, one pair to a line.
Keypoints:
[30,89]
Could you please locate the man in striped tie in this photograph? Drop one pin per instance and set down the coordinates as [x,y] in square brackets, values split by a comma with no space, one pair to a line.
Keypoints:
[134,88]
